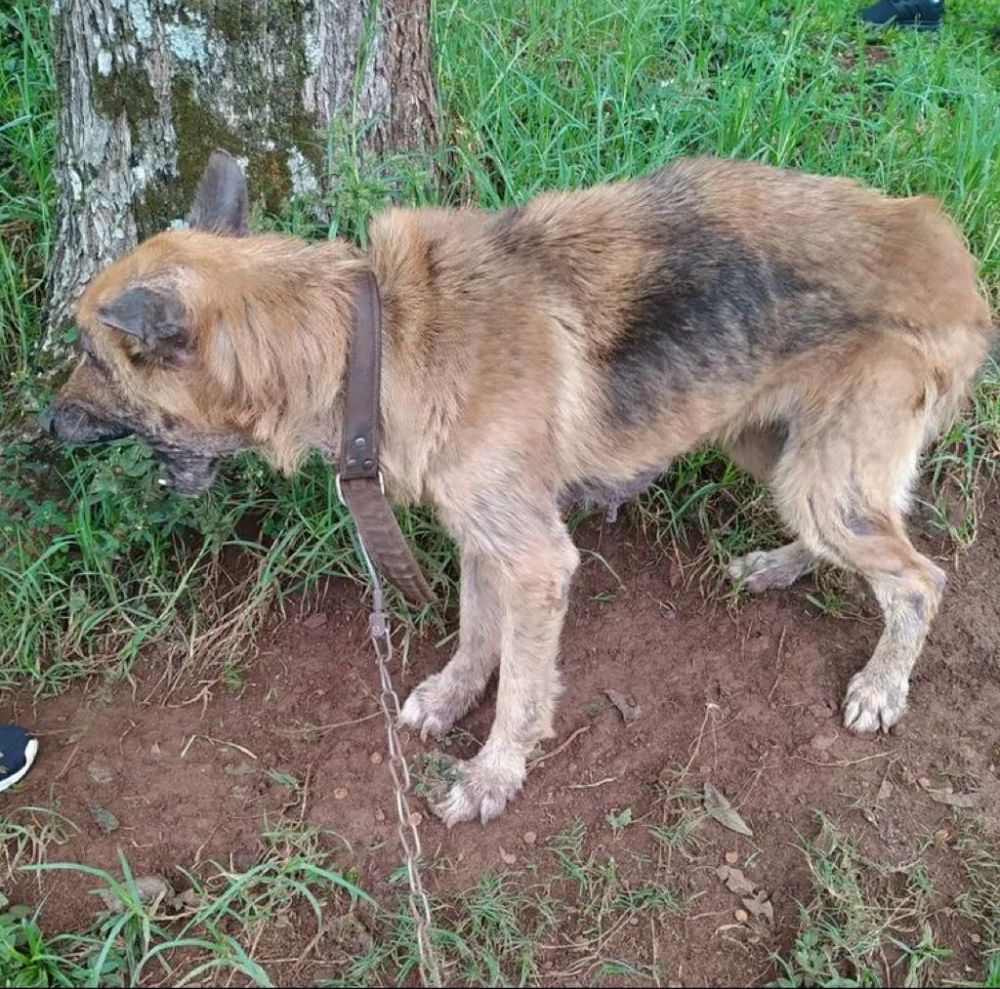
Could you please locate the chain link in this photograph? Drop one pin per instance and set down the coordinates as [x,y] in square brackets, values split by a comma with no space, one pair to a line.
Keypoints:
[409,837]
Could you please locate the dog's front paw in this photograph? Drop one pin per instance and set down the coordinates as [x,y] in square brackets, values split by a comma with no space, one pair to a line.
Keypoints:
[482,790]
[874,700]
[436,704]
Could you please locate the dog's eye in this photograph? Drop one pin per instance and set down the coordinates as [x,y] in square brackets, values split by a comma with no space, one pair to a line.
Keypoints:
[90,357]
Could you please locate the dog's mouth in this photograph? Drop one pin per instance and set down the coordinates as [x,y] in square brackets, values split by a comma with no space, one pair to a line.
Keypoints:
[187,474]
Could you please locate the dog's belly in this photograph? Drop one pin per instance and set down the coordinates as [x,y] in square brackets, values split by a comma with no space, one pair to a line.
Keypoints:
[610,495]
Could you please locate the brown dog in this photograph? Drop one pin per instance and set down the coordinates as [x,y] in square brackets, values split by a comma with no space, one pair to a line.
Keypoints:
[821,333]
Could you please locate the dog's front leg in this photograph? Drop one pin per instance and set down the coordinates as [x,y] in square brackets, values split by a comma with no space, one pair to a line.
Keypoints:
[445,697]
[534,586]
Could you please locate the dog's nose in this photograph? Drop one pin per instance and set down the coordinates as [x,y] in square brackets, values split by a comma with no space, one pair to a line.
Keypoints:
[46,421]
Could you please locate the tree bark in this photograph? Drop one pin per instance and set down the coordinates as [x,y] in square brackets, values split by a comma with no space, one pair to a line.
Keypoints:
[148,88]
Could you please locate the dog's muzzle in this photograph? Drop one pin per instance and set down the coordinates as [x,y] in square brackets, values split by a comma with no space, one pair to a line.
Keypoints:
[187,474]
[72,423]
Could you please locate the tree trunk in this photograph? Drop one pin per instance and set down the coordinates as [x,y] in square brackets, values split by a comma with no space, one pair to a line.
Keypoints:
[148,88]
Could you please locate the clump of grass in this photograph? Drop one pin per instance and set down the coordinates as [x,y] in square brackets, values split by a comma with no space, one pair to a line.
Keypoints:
[26,834]
[223,927]
[866,925]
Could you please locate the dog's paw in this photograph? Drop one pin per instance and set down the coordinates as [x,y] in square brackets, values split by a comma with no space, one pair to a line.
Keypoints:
[436,704]
[874,700]
[766,570]
[482,790]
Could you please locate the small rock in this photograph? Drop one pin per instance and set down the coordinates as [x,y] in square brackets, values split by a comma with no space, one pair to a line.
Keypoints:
[317,620]
[244,767]
[742,916]
[821,711]
[375,758]
[188,900]
[416,818]
[732,858]
[106,821]
[154,750]
[975,938]
[148,889]
[241,793]
[530,837]
[507,857]
[823,739]
[379,815]
[100,772]
[339,793]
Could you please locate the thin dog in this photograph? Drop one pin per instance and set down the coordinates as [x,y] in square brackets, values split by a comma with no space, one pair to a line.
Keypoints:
[820,333]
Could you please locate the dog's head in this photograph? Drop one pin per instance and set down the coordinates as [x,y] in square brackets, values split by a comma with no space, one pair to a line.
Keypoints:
[201,344]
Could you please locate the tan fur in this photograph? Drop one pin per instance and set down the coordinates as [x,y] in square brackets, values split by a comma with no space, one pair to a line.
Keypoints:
[518,366]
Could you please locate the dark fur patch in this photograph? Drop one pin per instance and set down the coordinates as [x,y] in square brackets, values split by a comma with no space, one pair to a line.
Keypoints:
[714,308]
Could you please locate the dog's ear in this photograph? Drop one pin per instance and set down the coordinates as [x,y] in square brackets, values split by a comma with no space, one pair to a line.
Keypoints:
[157,318]
[220,202]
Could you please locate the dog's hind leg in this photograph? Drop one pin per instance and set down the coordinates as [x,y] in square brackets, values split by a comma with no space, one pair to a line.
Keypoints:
[444,698]
[757,450]
[536,562]
[843,484]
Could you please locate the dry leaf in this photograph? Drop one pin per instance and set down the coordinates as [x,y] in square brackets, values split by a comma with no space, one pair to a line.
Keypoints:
[720,809]
[735,881]
[760,905]
[945,795]
[884,792]
[627,707]
[732,858]
[507,857]
[317,620]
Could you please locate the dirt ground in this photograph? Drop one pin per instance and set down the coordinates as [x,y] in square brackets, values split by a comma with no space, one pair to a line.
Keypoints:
[743,697]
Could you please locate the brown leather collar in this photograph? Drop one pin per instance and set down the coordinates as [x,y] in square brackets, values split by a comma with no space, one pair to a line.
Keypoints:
[360,480]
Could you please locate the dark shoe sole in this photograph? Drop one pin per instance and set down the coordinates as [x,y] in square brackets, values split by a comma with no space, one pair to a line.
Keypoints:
[914,25]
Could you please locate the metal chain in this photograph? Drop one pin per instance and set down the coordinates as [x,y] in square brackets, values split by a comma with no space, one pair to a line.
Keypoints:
[409,838]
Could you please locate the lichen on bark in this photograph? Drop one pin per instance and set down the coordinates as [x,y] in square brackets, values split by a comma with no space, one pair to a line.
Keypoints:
[147,89]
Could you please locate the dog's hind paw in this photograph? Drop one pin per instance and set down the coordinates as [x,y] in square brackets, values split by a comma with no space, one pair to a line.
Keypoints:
[481,791]
[766,570]
[874,700]
[436,704]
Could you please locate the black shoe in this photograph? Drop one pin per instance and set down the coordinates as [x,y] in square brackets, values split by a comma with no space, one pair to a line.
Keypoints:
[924,15]
[17,752]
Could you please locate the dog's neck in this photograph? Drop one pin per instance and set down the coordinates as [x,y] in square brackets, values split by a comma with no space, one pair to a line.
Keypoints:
[286,359]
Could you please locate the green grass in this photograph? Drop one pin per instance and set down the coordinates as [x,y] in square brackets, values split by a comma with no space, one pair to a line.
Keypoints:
[98,568]
[874,925]
[224,922]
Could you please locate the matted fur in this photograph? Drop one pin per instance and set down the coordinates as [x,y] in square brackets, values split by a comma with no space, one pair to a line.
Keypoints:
[567,349]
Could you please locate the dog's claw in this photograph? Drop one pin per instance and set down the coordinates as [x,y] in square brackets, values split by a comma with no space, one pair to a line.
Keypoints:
[479,792]
[874,701]
[436,704]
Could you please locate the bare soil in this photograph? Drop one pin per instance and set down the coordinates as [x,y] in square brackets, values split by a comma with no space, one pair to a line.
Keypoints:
[745,697]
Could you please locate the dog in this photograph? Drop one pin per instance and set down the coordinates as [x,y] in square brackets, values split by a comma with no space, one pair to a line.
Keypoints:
[820,333]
